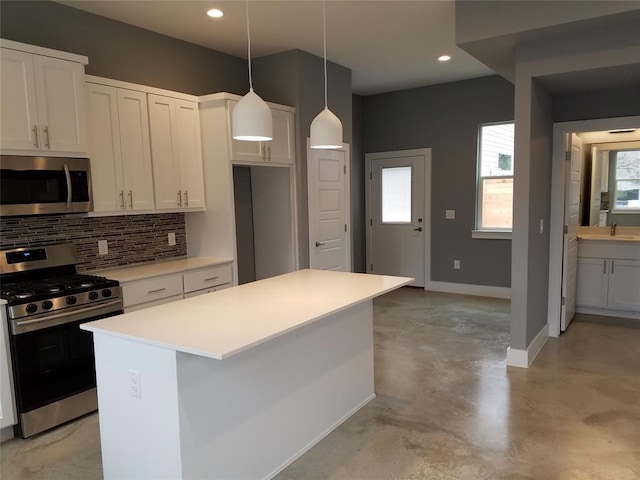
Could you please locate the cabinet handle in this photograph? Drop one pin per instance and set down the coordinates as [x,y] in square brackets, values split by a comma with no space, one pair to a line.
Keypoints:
[613,264]
[263,152]
[210,279]
[179,198]
[130,199]
[35,136]
[157,290]
[47,143]
[319,244]
[604,265]
[186,198]
[122,199]
[267,149]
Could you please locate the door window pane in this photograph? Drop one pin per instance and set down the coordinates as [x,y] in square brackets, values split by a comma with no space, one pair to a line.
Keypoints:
[396,195]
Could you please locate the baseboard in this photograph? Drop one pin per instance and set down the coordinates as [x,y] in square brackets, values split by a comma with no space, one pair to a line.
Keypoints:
[606,312]
[524,358]
[467,289]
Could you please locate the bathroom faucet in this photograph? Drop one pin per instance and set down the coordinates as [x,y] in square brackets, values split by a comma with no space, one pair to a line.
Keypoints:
[613,229]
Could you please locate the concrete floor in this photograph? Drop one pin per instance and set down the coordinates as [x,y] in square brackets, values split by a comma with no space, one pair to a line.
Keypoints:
[447,406]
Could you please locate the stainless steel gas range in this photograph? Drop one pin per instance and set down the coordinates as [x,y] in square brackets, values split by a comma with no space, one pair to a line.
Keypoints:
[52,359]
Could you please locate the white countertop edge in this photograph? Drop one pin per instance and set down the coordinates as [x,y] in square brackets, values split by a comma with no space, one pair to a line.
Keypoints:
[143,271]
[226,354]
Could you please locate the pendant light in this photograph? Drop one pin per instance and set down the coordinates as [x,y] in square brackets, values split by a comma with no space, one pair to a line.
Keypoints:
[326,128]
[251,118]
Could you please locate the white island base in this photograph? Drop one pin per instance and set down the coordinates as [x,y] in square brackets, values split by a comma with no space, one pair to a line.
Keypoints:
[247,396]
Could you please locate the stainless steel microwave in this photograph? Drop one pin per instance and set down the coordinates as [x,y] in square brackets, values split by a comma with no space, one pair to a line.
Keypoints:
[44,185]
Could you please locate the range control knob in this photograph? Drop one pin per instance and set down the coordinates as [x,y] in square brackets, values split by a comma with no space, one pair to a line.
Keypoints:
[71,300]
[93,295]
[32,308]
[106,292]
[47,304]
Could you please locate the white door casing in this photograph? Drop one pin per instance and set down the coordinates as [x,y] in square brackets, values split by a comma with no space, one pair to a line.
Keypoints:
[329,219]
[399,247]
[573,165]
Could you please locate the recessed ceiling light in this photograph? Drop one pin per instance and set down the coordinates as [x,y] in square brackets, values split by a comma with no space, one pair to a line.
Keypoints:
[444,58]
[215,13]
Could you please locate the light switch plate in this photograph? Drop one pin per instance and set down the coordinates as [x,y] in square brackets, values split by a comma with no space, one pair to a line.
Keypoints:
[103,247]
[449,214]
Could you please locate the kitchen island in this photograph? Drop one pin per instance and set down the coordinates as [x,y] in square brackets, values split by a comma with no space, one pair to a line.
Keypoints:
[238,383]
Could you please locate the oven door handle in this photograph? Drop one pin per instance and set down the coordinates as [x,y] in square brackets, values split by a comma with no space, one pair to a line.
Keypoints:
[24,326]
[67,176]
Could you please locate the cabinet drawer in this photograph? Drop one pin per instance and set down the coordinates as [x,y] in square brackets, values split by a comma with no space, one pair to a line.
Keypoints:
[152,289]
[207,278]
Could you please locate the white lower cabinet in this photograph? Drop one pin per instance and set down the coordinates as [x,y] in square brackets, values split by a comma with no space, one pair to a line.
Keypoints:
[157,290]
[608,283]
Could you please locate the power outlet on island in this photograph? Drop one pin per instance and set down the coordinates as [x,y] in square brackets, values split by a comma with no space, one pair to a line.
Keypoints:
[135,389]
[172,238]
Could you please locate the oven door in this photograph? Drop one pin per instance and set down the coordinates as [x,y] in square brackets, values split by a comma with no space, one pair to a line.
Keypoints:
[54,370]
[42,185]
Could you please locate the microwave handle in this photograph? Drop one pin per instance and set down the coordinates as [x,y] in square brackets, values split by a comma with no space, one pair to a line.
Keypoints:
[69,187]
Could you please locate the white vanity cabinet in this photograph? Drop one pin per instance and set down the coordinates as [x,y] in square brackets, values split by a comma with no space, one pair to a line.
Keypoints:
[176,153]
[279,150]
[608,277]
[42,101]
[120,150]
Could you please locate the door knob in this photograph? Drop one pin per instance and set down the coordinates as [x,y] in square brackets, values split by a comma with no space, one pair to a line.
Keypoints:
[319,244]
[419,229]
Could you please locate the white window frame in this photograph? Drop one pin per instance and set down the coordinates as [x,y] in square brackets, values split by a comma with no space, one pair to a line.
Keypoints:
[480,231]
[612,200]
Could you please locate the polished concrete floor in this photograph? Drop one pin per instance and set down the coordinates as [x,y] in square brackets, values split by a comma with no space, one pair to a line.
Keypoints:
[447,406]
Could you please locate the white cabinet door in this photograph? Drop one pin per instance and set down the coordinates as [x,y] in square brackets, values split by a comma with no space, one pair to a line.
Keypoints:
[136,149]
[282,148]
[592,282]
[189,149]
[176,153]
[164,152]
[104,148]
[60,101]
[18,101]
[624,284]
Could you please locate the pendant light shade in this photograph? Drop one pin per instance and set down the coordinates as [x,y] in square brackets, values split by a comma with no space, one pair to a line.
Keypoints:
[326,128]
[251,118]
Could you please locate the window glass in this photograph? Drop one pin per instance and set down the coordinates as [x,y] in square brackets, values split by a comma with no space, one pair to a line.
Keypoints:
[627,180]
[396,195]
[495,177]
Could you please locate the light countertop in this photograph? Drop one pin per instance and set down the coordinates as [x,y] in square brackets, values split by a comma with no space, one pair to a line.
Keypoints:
[148,270]
[221,324]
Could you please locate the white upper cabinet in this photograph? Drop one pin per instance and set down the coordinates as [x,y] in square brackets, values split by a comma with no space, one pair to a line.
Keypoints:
[176,153]
[120,151]
[42,102]
[279,150]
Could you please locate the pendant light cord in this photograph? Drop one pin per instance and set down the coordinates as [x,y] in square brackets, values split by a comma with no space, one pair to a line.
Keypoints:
[324,37]
[249,45]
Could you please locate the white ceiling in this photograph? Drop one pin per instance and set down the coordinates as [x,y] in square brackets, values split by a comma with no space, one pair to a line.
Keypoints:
[389,45]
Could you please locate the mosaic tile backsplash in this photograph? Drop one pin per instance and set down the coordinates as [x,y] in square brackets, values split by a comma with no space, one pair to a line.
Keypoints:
[131,238]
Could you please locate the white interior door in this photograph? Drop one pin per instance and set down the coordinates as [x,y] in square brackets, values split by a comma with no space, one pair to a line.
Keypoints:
[572,222]
[397,223]
[327,176]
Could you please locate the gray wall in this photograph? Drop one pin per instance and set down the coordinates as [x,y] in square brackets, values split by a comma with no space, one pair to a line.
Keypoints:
[123,52]
[616,102]
[446,117]
[296,78]
[358,210]
[243,205]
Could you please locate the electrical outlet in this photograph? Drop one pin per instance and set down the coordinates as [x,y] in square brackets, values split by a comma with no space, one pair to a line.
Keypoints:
[135,389]
[172,238]
[456,264]
[449,214]
[103,247]
[541,225]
